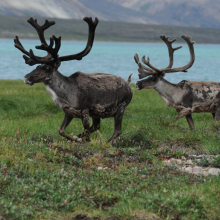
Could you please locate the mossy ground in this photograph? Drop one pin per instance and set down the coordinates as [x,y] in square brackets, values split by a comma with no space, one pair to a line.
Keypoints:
[40,177]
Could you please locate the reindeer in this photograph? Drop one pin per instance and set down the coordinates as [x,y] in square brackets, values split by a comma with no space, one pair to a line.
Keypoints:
[186,97]
[80,95]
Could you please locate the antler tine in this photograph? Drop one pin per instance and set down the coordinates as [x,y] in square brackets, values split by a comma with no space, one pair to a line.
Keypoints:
[143,70]
[147,62]
[92,26]
[136,58]
[192,57]
[52,52]
[40,29]
[37,59]
[19,46]
[170,48]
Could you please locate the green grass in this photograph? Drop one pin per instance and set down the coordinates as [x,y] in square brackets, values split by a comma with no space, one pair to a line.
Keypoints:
[40,177]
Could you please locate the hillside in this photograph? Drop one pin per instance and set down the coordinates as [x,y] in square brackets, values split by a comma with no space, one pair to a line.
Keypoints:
[72,29]
[194,13]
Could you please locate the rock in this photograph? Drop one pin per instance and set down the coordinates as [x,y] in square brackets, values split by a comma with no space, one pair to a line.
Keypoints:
[79,139]
[183,158]
[100,168]
[169,164]
[206,169]
[179,161]
[206,173]
[31,160]
[189,162]
[188,169]
[197,170]
[165,161]
[214,171]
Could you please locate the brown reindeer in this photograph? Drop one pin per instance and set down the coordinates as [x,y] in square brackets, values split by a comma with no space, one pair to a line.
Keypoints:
[80,95]
[186,97]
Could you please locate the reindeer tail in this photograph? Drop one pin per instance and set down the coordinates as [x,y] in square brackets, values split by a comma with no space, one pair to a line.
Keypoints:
[129,78]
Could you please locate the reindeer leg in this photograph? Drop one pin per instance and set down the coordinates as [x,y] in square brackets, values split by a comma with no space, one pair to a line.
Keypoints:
[118,120]
[217,114]
[213,114]
[67,119]
[182,113]
[95,126]
[85,121]
[190,121]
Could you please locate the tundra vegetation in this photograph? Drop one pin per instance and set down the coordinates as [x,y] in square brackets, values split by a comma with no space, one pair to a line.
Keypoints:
[43,176]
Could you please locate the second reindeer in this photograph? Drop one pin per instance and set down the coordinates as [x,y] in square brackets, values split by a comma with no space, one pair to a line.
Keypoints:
[186,97]
[80,95]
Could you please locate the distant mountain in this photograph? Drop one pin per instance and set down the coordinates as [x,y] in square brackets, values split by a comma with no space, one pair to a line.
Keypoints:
[193,13]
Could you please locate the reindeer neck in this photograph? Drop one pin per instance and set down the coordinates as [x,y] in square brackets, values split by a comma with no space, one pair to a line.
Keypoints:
[59,86]
[168,91]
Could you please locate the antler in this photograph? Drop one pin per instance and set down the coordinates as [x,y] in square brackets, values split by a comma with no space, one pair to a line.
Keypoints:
[52,52]
[170,48]
[91,34]
[31,59]
[52,55]
[145,71]
[40,29]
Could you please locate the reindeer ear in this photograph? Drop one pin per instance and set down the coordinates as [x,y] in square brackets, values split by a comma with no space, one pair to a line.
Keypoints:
[56,64]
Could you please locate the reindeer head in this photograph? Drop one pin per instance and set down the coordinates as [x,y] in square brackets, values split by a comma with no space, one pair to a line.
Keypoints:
[51,62]
[155,74]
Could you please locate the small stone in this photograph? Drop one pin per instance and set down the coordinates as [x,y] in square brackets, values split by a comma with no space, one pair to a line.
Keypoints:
[183,158]
[100,168]
[169,164]
[214,171]
[174,162]
[206,169]
[164,190]
[206,173]
[189,162]
[165,161]
[198,157]
[197,170]
[179,161]
[188,169]
[79,139]
[31,160]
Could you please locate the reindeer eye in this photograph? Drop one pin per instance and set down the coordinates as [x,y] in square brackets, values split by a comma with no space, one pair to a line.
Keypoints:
[47,69]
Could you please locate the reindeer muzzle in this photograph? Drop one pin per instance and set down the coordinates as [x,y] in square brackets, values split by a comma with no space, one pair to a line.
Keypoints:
[138,85]
[29,80]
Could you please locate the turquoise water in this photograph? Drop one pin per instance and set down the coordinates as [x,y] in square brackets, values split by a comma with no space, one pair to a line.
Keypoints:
[116,58]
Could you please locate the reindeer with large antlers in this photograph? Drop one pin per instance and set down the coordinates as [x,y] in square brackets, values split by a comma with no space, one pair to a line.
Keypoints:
[80,95]
[186,97]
